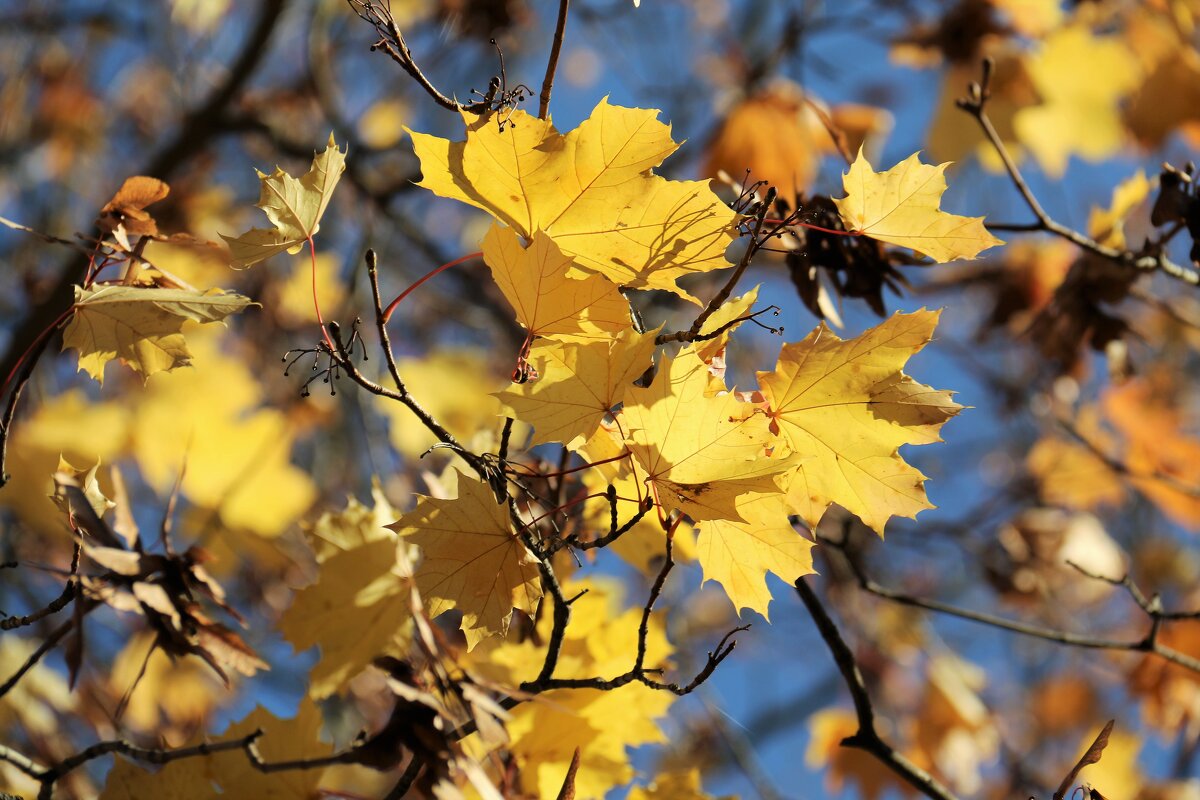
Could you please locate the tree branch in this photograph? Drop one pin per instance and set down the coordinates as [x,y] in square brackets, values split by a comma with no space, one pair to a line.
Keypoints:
[560,30]
[1147,644]
[391,41]
[975,105]
[867,738]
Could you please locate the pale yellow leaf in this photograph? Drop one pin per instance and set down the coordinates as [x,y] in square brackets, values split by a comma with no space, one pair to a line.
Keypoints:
[845,408]
[903,207]
[471,560]
[293,205]
[141,326]
[548,302]
[592,191]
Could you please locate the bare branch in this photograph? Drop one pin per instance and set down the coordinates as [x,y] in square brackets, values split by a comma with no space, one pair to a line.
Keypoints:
[391,41]
[975,105]
[560,29]
[867,738]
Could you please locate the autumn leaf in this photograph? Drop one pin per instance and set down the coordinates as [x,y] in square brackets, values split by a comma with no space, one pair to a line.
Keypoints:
[845,408]
[700,448]
[293,205]
[843,765]
[547,300]
[579,383]
[282,740]
[361,576]
[471,560]
[903,207]
[141,326]
[127,208]
[724,319]
[1162,457]
[602,724]
[591,191]
[1079,114]
[83,480]
[1107,225]
[738,555]
[185,779]
[237,451]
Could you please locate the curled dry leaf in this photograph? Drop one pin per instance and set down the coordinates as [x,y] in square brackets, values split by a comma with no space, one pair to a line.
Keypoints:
[127,208]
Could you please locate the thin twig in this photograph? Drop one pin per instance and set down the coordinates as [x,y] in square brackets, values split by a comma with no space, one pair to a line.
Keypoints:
[407,779]
[867,738]
[149,755]
[48,644]
[560,30]
[391,41]
[975,105]
[1146,644]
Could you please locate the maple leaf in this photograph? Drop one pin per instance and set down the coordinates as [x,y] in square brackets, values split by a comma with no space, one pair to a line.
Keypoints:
[293,205]
[84,480]
[1079,112]
[471,560]
[282,740]
[845,408]
[141,326]
[361,577]
[591,190]
[127,208]
[738,555]
[184,779]
[238,453]
[700,446]
[580,383]
[902,207]
[602,724]
[547,300]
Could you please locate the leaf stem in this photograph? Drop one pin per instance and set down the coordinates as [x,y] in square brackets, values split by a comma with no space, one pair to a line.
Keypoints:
[810,226]
[387,314]
[312,251]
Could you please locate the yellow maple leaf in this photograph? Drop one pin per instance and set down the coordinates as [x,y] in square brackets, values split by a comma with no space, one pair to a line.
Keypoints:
[591,190]
[547,300]
[237,453]
[602,724]
[579,384]
[644,545]
[903,207]
[699,448]
[845,408]
[738,555]
[360,577]
[293,205]
[281,740]
[471,560]
[1107,225]
[1081,79]
[141,326]
[184,779]
[673,785]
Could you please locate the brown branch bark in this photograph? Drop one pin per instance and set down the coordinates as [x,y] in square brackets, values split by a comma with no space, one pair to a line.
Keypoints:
[867,738]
